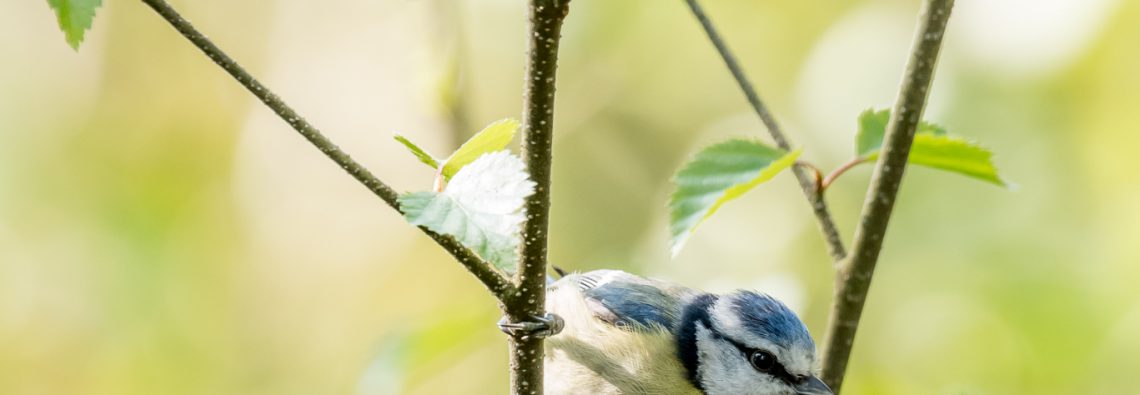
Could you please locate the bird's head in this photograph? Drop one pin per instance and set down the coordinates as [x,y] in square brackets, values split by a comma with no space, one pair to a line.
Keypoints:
[747,343]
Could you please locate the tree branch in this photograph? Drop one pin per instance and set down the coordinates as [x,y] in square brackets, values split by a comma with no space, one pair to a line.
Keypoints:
[853,278]
[545,32]
[496,282]
[806,178]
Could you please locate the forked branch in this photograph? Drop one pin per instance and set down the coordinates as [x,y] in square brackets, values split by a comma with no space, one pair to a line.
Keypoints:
[808,181]
[853,277]
[854,273]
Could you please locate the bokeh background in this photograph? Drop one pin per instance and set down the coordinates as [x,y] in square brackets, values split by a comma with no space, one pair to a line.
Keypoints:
[162,232]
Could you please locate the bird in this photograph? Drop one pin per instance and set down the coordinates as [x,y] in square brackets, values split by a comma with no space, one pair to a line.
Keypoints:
[619,333]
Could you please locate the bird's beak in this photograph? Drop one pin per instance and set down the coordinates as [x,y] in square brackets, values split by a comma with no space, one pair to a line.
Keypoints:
[812,386]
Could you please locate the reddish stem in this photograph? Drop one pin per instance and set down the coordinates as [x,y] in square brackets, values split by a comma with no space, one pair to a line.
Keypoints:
[839,171]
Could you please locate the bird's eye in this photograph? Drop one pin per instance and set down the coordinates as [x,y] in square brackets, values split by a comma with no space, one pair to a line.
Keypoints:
[762,360]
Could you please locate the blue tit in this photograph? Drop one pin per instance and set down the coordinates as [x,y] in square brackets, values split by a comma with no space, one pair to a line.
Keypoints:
[625,334]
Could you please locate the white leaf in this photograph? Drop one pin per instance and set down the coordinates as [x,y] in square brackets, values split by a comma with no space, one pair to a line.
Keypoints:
[482,207]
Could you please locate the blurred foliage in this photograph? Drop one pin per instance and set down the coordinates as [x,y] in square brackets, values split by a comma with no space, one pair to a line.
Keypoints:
[160,232]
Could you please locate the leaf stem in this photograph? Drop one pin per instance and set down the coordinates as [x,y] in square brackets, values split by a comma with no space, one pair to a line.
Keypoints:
[807,182]
[831,177]
[853,278]
[544,35]
[495,281]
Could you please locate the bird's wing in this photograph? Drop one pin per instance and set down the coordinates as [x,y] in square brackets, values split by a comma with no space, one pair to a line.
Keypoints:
[631,302]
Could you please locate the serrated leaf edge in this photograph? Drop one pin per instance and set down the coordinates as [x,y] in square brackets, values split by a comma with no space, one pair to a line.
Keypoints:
[74,38]
[930,131]
[509,260]
[774,168]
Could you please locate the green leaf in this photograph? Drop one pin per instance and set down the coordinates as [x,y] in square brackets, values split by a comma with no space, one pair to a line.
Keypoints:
[75,17]
[717,174]
[957,155]
[932,147]
[420,154]
[492,138]
[872,127]
[482,207]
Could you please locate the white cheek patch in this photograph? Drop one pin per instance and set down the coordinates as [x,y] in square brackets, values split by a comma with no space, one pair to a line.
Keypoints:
[724,371]
[799,362]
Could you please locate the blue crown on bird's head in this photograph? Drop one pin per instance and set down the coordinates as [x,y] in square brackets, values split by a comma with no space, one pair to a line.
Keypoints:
[768,318]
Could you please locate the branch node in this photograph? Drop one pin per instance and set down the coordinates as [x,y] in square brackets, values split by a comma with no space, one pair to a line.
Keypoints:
[855,275]
[807,183]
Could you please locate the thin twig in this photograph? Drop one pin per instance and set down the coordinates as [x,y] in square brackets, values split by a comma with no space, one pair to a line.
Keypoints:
[854,276]
[543,37]
[499,284]
[807,181]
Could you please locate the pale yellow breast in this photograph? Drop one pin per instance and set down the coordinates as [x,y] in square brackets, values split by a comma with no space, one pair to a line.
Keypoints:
[591,357]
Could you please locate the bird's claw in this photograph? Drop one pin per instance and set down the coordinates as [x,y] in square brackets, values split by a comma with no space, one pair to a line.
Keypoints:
[537,327]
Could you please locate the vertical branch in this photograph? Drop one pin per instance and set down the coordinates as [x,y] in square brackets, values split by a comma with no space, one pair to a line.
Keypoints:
[806,177]
[545,32]
[853,278]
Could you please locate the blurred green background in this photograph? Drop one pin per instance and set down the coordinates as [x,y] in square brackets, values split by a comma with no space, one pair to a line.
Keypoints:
[162,232]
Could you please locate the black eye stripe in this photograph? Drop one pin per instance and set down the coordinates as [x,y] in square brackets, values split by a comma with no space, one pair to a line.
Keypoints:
[777,370]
